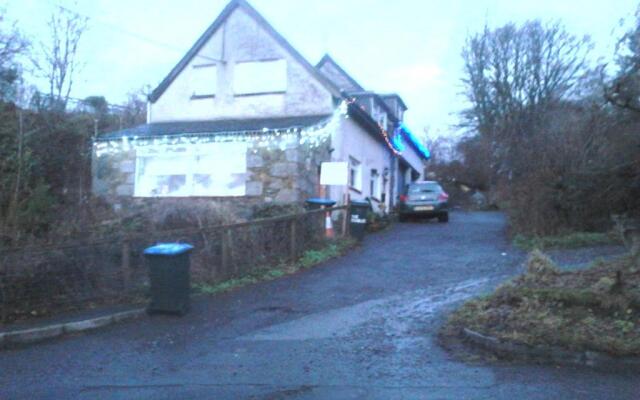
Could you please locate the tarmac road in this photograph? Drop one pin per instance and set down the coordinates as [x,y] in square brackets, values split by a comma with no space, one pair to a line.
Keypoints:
[359,327]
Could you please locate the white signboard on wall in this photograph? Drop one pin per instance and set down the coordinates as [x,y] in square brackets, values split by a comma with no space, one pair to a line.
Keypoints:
[334,173]
[204,170]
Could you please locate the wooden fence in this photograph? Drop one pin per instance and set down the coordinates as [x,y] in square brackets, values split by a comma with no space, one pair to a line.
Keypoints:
[41,280]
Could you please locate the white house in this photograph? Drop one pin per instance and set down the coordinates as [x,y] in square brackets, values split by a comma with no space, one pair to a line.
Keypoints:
[243,117]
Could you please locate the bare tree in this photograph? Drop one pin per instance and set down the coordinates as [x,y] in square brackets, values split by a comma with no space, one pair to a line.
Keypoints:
[623,90]
[12,42]
[135,111]
[12,45]
[59,62]
[513,75]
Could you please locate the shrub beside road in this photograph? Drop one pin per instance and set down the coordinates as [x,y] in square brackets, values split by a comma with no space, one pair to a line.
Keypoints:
[593,309]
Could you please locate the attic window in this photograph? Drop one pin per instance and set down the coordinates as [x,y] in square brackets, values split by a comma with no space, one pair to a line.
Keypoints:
[382,119]
[261,77]
[204,82]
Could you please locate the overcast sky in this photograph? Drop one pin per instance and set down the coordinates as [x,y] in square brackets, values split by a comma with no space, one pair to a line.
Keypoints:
[411,47]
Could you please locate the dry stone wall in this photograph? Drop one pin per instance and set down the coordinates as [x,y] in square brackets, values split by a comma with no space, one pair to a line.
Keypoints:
[274,176]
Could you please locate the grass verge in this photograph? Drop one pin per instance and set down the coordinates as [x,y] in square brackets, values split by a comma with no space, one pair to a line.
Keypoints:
[310,258]
[568,241]
[596,309]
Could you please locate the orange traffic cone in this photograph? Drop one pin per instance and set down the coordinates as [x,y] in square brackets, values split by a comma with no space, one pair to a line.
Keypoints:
[328,226]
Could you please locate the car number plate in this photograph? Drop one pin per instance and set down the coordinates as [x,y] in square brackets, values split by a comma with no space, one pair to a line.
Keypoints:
[425,208]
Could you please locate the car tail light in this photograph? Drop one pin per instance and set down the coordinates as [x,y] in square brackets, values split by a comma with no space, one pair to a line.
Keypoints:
[443,197]
[403,197]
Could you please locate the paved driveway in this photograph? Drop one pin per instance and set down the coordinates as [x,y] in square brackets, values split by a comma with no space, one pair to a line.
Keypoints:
[361,327]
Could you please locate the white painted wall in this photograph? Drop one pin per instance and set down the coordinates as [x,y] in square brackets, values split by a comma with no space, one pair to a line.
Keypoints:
[412,157]
[241,39]
[351,140]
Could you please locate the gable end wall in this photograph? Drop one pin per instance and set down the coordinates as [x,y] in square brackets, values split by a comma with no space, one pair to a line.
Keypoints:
[241,38]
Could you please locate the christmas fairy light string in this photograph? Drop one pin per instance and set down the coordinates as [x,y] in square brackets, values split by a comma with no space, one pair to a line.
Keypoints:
[388,140]
[311,137]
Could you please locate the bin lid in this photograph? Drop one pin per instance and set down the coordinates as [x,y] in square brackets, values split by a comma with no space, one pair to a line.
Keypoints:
[356,203]
[321,202]
[168,249]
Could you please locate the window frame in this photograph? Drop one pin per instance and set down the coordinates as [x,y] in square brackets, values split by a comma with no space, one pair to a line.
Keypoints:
[205,95]
[276,89]
[355,174]
[374,184]
[382,120]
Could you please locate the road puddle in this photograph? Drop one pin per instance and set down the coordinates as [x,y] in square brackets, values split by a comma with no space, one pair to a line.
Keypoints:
[394,314]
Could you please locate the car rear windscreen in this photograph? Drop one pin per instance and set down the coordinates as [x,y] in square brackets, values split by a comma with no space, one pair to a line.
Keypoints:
[424,188]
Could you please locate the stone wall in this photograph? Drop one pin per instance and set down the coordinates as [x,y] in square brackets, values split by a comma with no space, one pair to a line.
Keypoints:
[113,175]
[275,175]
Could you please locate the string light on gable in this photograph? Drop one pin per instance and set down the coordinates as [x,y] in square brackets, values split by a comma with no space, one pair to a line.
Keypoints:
[385,135]
[397,142]
[388,140]
[312,137]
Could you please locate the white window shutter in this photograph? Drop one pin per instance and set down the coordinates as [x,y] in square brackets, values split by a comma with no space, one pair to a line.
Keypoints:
[260,77]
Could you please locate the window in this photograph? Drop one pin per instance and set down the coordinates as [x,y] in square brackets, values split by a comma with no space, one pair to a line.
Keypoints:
[424,188]
[215,169]
[379,115]
[382,120]
[262,77]
[355,174]
[374,184]
[204,81]
[408,176]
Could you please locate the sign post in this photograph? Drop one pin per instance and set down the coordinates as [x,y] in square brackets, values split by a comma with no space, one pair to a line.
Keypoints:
[335,174]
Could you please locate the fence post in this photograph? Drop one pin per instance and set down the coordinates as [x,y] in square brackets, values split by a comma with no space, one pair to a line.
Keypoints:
[293,233]
[3,294]
[126,262]
[346,217]
[225,251]
[3,298]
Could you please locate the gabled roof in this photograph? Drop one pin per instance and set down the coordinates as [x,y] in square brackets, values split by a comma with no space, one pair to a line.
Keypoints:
[364,119]
[360,91]
[327,59]
[231,126]
[367,94]
[397,97]
[213,28]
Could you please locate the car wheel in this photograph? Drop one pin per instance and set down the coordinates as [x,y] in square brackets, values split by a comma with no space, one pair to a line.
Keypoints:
[443,218]
[402,218]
